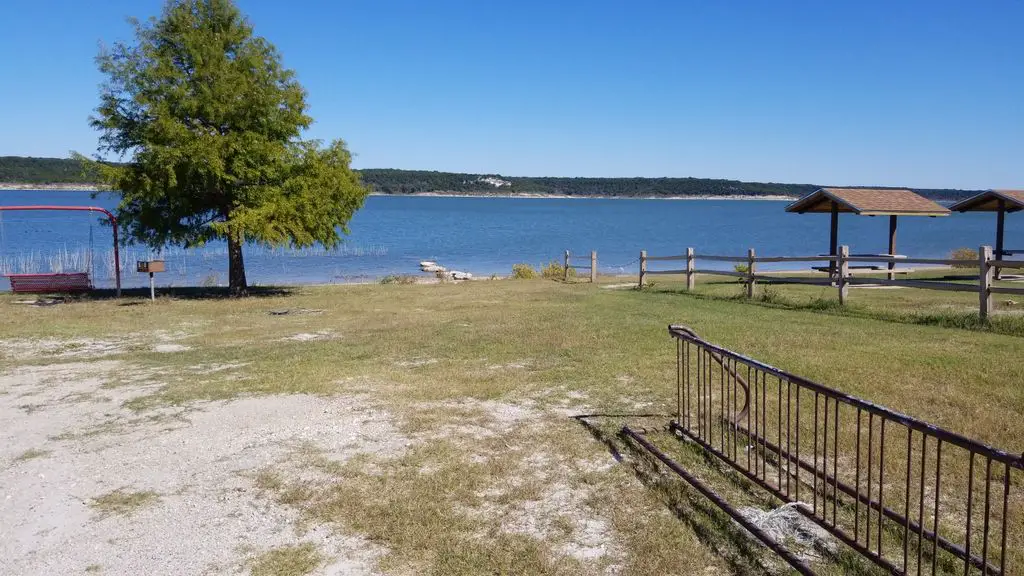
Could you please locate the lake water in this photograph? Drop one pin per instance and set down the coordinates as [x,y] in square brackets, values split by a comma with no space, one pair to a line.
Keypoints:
[484,236]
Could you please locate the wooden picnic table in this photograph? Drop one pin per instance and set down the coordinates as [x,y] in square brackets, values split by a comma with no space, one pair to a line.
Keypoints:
[871,267]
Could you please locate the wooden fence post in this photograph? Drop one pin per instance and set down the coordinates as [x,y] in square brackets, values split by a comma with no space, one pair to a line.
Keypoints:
[691,278]
[751,270]
[643,266]
[844,270]
[565,269]
[985,277]
[593,266]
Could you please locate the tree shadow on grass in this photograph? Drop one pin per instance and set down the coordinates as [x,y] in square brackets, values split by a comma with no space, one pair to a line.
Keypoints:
[181,293]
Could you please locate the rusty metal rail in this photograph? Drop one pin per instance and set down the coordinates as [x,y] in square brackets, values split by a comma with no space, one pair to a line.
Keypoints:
[912,497]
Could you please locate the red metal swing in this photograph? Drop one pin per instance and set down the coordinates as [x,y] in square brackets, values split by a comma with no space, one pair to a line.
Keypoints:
[63,282]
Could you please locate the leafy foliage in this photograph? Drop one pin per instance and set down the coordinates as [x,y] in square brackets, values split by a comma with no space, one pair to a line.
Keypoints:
[523,272]
[211,126]
[27,170]
[968,255]
[556,271]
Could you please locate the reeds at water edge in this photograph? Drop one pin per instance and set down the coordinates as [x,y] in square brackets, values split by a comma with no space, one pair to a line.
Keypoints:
[100,263]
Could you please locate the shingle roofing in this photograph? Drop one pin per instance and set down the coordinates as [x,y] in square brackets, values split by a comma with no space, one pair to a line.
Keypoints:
[989,201]
[868,202]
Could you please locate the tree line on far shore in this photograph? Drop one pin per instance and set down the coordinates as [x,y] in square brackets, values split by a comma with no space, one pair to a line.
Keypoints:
[17,169]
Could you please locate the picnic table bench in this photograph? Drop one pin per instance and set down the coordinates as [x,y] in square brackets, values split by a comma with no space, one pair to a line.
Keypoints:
[50,282]
[868,267]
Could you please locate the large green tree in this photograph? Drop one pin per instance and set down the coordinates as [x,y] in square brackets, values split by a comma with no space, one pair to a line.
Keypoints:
[209,125]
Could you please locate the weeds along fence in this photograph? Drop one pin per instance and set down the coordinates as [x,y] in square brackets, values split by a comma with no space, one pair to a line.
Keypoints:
[841,269]
[592,266]
[908,495]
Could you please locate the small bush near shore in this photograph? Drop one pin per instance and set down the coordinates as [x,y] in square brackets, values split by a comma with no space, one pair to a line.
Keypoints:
[968,255]
[556,271]
[523,272]
[398,279]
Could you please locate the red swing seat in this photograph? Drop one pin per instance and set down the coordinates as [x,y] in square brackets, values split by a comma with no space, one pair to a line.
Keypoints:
[50,283]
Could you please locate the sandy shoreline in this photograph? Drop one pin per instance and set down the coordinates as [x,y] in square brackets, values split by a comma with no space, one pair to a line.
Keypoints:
[50,187]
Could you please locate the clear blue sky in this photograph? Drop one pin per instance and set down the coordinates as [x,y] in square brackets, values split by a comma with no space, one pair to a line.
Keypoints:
[912,93]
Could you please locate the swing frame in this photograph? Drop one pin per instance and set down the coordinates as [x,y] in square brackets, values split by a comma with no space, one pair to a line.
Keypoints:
[41,282]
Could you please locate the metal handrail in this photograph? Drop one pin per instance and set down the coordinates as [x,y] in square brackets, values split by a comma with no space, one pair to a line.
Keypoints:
[1015,461]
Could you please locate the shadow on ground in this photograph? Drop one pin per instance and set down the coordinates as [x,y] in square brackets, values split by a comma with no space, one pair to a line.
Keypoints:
[713,528]
[182,293]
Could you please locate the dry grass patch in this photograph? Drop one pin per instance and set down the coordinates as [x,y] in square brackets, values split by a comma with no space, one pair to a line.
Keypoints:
[121,502]
[287,561]
[30,454]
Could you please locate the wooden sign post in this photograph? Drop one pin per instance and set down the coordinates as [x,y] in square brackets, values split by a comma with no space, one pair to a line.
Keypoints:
[150,266]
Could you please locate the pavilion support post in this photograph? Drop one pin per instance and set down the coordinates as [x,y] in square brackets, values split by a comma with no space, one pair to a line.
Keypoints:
[833,243]
[1000,226]
[892,247]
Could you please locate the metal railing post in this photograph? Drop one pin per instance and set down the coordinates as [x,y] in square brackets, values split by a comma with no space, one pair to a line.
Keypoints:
[565,269]
[690,266]
[844,270]
[643,267]
[985,276]
[593,266]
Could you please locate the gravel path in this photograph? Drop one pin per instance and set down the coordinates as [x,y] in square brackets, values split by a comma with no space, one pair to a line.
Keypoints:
[67,441]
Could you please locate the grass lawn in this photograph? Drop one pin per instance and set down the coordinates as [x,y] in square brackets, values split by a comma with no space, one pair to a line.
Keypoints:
[482,380]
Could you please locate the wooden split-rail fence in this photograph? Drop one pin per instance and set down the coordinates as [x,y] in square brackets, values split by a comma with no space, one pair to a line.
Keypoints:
[592,266]
[840,268]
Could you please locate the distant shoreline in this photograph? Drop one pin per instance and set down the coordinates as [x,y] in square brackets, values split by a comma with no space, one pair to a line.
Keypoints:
[13,186]
[775,198]
[68,187]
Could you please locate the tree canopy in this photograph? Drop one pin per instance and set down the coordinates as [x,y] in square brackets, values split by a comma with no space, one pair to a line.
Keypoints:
[208,124]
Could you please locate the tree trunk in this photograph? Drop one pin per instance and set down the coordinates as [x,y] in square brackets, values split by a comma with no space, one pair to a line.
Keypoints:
[236,268]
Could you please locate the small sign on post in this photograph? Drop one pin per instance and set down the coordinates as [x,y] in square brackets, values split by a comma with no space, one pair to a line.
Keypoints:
[150,266]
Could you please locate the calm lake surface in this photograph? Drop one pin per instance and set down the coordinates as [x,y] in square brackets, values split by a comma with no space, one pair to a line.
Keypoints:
[484,236]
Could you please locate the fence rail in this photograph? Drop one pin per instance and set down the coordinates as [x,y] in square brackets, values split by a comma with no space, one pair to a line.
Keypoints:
[908,495]
[841,272]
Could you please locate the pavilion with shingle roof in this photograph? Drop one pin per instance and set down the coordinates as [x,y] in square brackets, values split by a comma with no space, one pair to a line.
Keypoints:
[867,202]
[1002,202]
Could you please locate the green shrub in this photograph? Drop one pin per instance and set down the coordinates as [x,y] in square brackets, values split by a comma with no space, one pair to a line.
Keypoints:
[968,255]
[742,269]
[523,272]
[770,294]
[398,279]
[556,271]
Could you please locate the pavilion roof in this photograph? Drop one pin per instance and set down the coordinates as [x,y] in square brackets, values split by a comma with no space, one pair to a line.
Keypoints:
[868,202]
[989,201]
